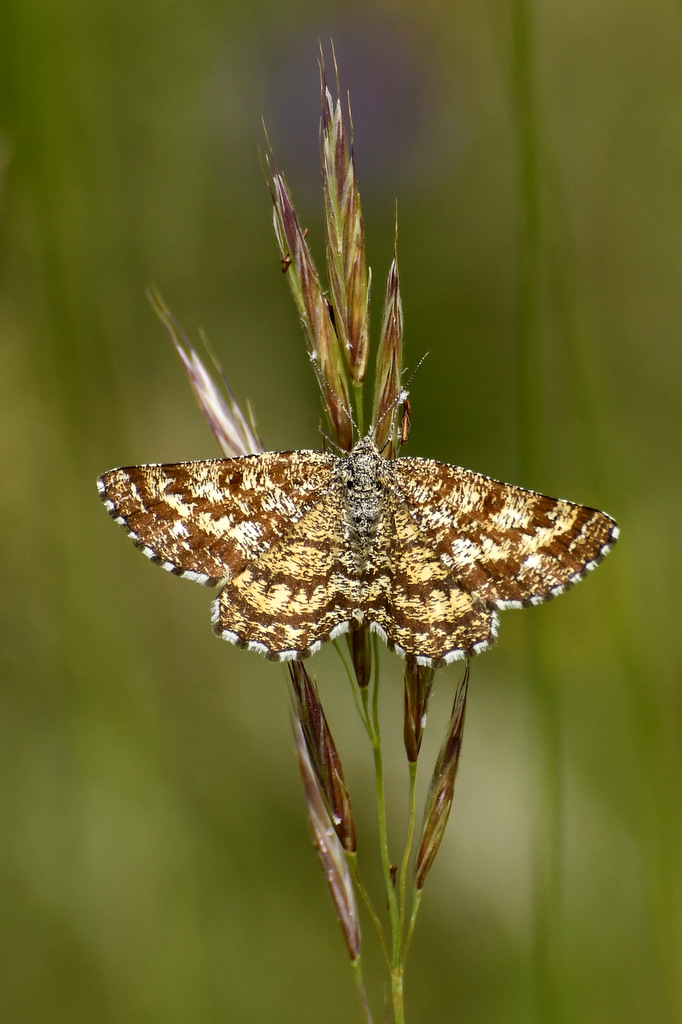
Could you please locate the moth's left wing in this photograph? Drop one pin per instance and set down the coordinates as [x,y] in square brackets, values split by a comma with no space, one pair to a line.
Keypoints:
[508,546]
[206,520]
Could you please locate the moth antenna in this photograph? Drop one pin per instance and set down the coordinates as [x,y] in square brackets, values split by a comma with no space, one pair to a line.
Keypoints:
[401,399]
[331,391]
[326,438]
[414,372]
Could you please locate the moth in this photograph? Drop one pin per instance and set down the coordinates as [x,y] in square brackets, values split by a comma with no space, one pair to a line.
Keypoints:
[304,544]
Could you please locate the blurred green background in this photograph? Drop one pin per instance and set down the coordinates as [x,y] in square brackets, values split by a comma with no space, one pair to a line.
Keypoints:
[156,861]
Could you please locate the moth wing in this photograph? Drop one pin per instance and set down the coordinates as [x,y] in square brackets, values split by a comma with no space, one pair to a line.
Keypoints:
[302,591]
[506,545]
[416,604]
[206,520]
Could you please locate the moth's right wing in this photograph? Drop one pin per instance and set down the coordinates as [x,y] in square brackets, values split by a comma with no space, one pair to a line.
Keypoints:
[205,521]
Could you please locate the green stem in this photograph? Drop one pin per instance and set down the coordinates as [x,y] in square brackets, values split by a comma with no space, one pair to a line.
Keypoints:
[353,865]
[356,966]
[391,896]
[396,917]
[397,993]
[408,849]
[413,918]
[359,695]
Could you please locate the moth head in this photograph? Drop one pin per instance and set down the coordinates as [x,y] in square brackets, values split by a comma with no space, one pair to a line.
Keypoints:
[361,470]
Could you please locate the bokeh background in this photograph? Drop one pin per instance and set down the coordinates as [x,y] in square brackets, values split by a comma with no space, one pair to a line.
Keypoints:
[156,860]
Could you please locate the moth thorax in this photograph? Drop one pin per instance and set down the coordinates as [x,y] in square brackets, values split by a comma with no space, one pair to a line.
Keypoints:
[365,499]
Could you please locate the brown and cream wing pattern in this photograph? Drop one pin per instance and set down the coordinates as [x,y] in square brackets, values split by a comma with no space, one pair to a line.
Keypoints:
[507,545]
